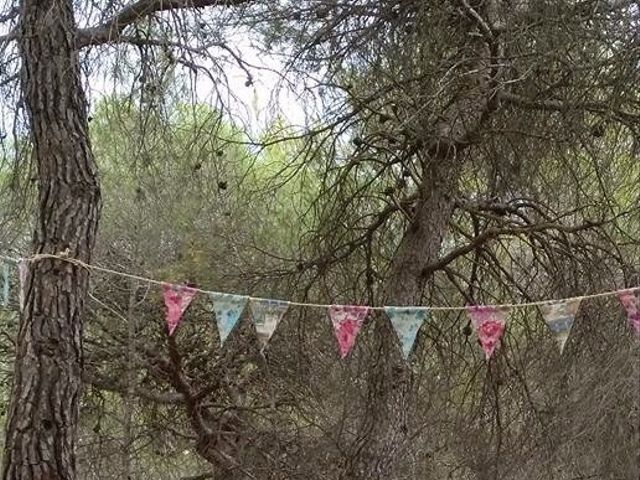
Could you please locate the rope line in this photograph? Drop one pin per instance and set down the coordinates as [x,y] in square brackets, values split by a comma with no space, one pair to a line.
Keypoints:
[80,263]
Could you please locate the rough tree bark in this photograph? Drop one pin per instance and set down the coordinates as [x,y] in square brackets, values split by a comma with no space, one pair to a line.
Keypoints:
[43,416]
[386,427]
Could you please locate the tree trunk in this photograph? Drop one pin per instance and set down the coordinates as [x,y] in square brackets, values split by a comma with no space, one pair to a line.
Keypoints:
[43,416]
[420,246]
[386,425]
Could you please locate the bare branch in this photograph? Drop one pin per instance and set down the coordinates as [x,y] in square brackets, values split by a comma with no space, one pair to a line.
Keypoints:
[111,29]
[599,108]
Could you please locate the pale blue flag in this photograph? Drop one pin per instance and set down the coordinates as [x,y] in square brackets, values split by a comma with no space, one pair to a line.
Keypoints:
[406,321]
[266,317]
[560,317]
[228,308]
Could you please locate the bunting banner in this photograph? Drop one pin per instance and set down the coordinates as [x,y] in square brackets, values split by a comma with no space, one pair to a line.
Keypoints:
[559,317]
[347,321]
[176,298]
[23,272]
[406,322]
[489,323]
[266,315]
[227,309]
[631,304]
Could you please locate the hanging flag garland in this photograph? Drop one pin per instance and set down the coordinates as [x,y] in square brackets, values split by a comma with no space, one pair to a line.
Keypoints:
[266,315]
[347,321]
[489,323]
[559,317]
[176,298]
[406,322]
[227,308]
[631,304]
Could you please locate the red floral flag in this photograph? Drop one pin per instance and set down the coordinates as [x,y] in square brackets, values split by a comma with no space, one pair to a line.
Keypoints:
[176,298]
[489,323]
[347,321]
[631,304]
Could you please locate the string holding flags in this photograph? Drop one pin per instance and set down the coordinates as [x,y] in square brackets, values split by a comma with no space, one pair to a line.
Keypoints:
[559,317]
[227,308]
[631,304]
[347,321]
[489,322]
[266,315]
[406,322]
[176,298]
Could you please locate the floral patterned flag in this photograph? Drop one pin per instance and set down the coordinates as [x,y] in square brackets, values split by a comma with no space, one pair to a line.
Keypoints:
[266,317]
[631,304]
[489,323]
[406,322]
[227,308]
[23,271]
[347,321]
[176,298]
[559,317]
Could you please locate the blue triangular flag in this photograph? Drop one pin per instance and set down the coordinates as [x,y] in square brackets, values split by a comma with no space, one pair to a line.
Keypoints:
[406,321]
[227,308]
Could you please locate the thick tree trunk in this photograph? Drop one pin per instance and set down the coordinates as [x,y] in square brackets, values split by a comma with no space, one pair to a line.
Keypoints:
[422,242]
[41,428]
[386,425]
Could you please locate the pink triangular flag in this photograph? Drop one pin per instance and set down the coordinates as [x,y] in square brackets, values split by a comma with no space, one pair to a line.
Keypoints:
[176,298]
[631,304]
[489,323]
[347,321]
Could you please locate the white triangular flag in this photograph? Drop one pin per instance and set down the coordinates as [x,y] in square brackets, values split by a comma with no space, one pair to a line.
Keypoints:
[23,271]
[266,317]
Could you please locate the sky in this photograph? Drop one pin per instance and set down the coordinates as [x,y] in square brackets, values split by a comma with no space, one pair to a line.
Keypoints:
[253,105]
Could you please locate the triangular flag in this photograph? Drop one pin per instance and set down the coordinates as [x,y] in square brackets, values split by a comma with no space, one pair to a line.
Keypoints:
[559,317]
[176,298]
[347,321]
[489,323]
[23,271]
[227,308]
[631,304]
[406,321]
[266,317]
